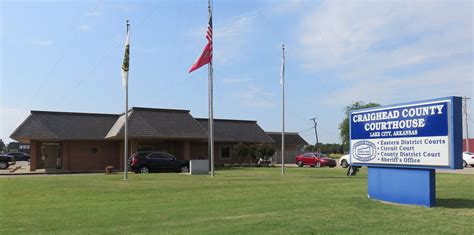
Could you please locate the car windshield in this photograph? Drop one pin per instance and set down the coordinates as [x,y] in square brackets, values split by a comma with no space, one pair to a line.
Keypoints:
[469,153]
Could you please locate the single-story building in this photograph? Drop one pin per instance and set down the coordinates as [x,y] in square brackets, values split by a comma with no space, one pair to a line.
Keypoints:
[294,145]
[85,142]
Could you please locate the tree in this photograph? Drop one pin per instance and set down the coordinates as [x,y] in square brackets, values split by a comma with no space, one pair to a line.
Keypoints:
[308,148]
[13,147]
[240,151]
[253,151]
[344,125]
[2,146]
[263,151]
[325,148]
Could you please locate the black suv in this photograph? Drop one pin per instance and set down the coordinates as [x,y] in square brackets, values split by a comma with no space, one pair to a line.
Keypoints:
[144,162]
[19,156]
[6,161]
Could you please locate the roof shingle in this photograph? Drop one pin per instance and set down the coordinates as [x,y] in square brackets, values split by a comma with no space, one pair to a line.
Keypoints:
[291,138]
[236,131]
[42,125]
[158,123]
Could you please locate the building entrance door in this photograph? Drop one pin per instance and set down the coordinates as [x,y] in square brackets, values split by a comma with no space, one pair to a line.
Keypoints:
[50,156]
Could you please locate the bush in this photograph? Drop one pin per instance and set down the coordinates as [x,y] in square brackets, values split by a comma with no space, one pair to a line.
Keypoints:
[263,151]
[240,151]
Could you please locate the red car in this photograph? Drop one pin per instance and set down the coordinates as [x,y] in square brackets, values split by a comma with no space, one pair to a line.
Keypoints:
[314,159]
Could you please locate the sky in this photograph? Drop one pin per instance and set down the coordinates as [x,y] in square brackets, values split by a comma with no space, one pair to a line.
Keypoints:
[67,55]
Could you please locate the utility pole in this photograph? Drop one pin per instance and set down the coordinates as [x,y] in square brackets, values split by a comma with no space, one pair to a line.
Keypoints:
[316,133]
[465,99]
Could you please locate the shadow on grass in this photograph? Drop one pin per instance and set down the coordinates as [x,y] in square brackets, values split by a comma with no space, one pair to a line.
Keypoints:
[455,203]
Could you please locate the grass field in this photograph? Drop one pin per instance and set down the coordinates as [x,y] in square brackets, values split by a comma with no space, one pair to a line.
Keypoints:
[247,200]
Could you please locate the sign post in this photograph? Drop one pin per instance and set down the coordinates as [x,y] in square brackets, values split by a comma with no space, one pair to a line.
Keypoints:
[403,144]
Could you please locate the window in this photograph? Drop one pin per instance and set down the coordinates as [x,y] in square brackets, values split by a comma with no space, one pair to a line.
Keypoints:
[225,152]
[157,156]
[153,156]
[24,146]
[94,150]
[168,156]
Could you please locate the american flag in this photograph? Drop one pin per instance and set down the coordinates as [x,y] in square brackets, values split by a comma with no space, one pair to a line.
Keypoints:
[206,56]
[209,31]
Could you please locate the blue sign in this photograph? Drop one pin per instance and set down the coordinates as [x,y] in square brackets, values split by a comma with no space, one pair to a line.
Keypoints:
[424,134]
[403,144]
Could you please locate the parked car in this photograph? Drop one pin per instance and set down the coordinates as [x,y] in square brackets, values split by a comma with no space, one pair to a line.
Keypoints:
[20,156]
[344,161]
[144,162]
[468,159]
[6,161]
[314,159]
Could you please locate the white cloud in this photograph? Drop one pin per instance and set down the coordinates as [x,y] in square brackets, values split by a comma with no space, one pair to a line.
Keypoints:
[407,49]
[256,97]
[289,6]
[231,81]
[229,35]
[95,12]
[83,28]
[42,43]
[235,26]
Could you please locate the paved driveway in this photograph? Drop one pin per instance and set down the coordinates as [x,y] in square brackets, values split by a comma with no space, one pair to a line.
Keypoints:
[25,168]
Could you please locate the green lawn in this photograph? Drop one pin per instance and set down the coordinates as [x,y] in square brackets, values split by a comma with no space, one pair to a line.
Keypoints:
[247,200]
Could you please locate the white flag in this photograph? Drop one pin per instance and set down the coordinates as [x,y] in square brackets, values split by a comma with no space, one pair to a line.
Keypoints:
[282,75]
[126,60]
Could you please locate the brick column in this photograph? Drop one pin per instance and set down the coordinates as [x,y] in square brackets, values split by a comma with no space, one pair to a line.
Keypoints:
[120,155]
[65,156]
[187,150]
[34,155]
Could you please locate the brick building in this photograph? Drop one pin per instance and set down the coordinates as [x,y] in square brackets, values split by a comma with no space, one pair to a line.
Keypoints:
[87,142]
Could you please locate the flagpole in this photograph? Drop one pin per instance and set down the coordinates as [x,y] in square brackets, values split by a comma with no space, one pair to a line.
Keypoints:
[283,110]
[211,112]
[125,170]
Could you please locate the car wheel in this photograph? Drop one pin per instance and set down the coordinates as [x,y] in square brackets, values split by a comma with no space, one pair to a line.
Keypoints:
[318,164]
[144,170]
[184,169]
[464,164]
[300,164]
[344,164]
[3,165]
